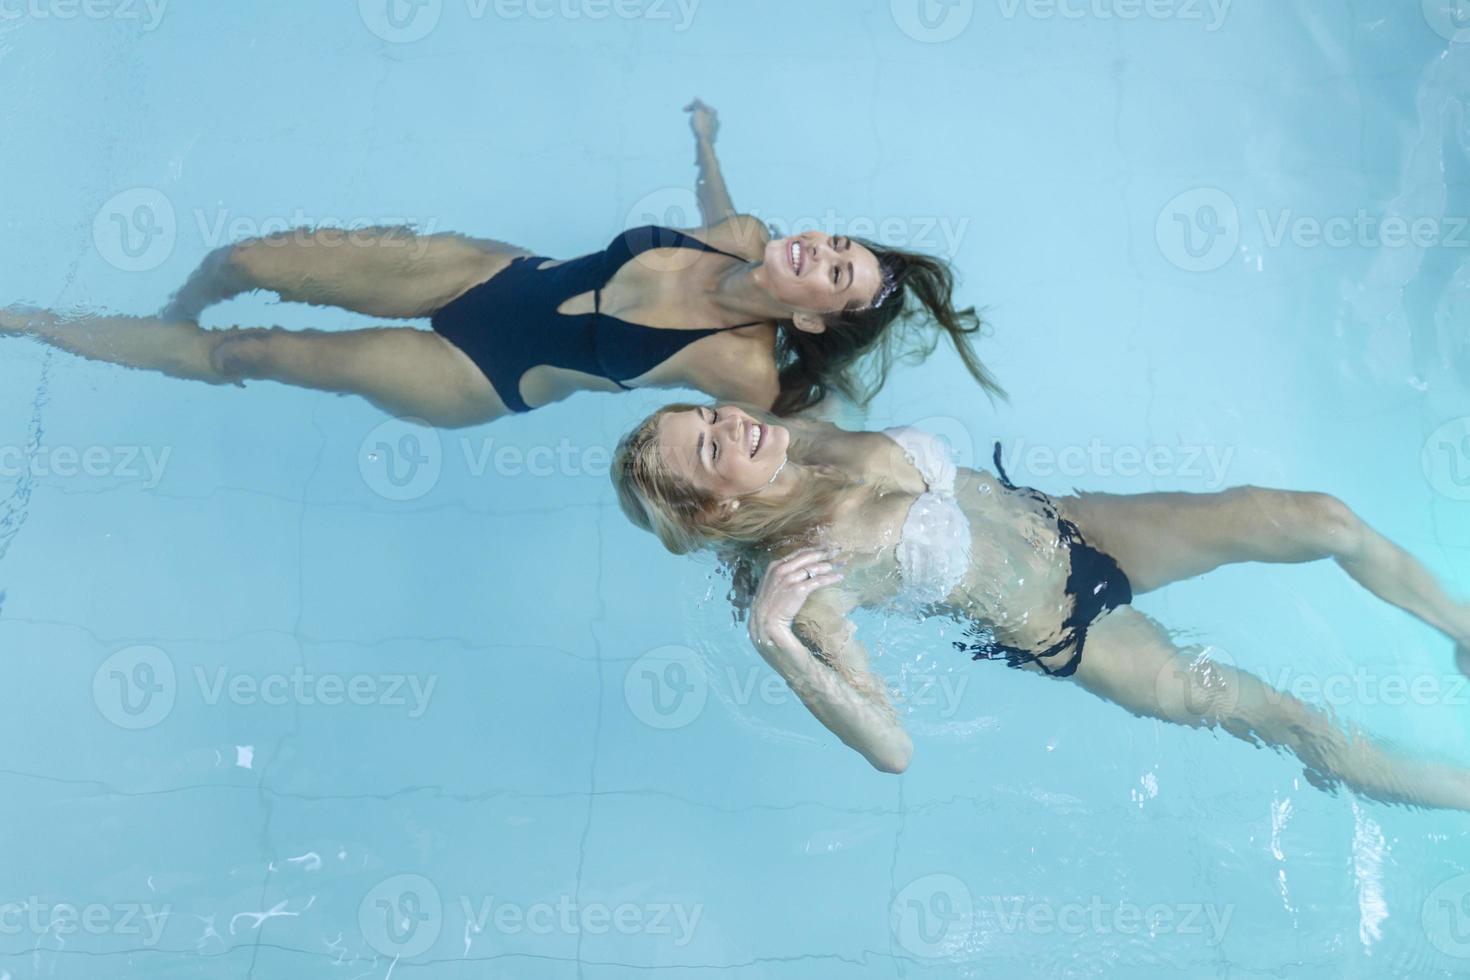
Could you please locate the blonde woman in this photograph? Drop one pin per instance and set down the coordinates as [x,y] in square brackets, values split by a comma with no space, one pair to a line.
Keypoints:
[723,308]
[839,520]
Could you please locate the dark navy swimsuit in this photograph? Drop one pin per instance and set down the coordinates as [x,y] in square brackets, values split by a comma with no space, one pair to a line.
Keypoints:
[1096,584]
[509,323]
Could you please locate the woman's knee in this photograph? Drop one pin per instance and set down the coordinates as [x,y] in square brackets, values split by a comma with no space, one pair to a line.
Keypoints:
[1319,525]
[1328,524]
[252,352]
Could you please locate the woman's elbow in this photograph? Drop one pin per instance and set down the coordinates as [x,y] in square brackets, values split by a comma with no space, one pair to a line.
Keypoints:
[893,758]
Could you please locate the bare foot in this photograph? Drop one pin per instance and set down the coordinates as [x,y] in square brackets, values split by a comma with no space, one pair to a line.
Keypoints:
[17,319]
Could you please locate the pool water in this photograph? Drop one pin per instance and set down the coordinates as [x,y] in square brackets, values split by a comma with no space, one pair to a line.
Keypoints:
[296,690]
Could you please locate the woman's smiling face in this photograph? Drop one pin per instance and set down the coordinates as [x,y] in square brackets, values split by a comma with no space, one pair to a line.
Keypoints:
[722,451]
[819,273]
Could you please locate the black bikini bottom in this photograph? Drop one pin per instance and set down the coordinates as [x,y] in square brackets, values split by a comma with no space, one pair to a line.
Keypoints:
[1095,583]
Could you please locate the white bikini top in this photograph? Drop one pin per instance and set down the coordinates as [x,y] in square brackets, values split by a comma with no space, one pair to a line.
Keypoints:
[934,546]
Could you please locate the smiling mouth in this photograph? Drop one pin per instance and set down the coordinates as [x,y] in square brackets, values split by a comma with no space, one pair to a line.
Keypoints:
[796,255]
[757,436]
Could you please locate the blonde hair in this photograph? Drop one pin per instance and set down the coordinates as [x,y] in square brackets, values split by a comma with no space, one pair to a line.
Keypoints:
[745,538]
[688,519]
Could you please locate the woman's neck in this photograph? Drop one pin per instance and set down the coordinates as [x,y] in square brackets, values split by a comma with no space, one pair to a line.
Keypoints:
[821,443]
[735,291]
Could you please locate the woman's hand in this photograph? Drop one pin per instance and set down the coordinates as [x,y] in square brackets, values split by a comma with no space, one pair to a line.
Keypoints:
[784,590]
[703,120]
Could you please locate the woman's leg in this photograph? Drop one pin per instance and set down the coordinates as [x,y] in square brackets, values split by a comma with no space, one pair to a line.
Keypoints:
[401,370]
[383,272]
[178,349]
[1158,538]
[1129,660]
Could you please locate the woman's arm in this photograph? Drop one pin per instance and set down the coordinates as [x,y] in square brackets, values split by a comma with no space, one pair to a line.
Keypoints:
[826,666]
[714,198]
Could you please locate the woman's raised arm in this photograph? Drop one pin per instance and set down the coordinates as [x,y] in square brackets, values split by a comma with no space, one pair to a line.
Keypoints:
[714,197]
[826,665]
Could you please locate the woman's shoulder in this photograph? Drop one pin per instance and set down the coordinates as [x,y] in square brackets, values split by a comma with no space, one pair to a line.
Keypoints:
[743,370]
[744,235]
[872,458]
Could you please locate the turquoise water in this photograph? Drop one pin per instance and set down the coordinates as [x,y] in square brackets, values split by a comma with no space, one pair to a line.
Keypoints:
[295,691]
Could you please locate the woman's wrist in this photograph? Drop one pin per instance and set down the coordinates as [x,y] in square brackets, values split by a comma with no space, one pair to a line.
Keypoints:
[782,644]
